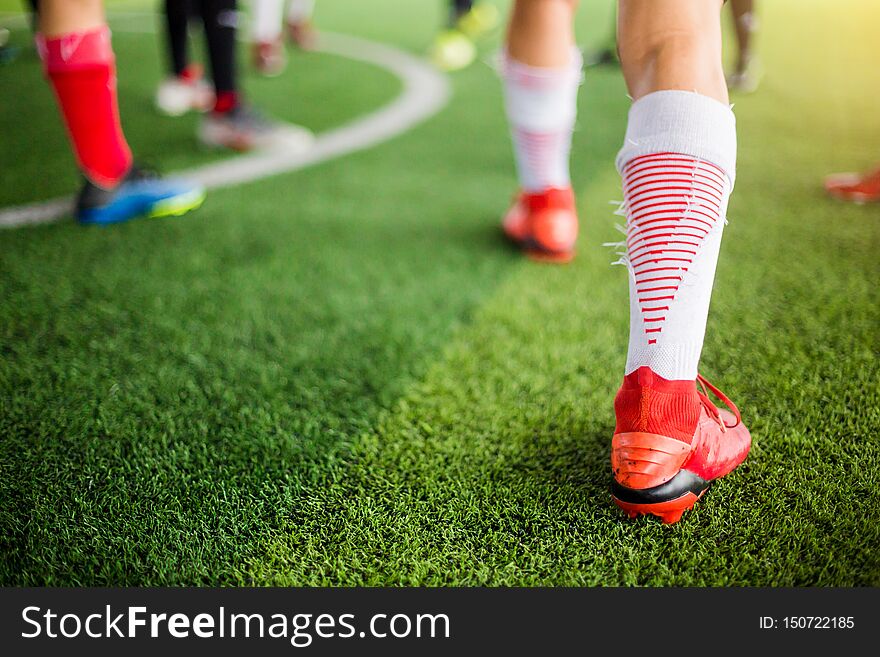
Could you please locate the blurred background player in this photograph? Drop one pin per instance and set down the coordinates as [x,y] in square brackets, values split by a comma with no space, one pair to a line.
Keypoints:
[678,165]
[606,54]
[746,75]
[268,54]
[855,187]
[184,89]
[73,42]
[300,29]
[7,52]
[230,123]
[541,72]
[454,46]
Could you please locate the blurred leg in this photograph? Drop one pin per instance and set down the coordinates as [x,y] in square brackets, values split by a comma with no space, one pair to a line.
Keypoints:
[34,15]
[300,11]
[232,123]
[59,17]
[176,24]
[541,73]
[743,12]
[220,20]
[266,20]
[457,9]
[74,44]
[183,89]
[607,54]
[299,23]
[267,47]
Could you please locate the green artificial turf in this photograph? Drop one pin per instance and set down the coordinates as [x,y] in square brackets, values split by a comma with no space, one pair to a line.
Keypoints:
[343,375]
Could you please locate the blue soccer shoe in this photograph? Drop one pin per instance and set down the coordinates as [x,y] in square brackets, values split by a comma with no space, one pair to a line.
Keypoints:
[140,194]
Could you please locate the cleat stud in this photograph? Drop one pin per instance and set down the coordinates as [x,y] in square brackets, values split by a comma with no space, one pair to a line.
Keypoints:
[671,517]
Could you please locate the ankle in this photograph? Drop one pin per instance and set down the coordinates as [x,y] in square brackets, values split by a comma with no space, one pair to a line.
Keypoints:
[190,73]
[550,198]
[646,402]
[226,102]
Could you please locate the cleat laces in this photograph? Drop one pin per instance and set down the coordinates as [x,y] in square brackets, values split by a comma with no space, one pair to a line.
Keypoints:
[704,388]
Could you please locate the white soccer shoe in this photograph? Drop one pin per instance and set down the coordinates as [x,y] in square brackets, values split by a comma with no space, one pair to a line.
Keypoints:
[178,95]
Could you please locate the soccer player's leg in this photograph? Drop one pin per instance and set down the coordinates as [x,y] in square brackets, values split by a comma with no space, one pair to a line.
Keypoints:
[541,73]
[678,166]
[232,123]
[74,45]
[606,54]
[300,28]
[184,89]
[854,187]
[746,74]
[267,45]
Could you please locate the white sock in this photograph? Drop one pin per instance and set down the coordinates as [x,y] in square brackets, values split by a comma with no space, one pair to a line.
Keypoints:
[678,166]
[541,105]
[266,20]
[300,10]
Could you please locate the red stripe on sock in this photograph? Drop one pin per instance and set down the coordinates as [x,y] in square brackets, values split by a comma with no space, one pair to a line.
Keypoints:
[672,202]
[712,182]
[671,157]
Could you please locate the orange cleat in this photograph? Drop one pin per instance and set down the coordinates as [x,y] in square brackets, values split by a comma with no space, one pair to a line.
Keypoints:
[854,187]
[545,225]
[671,442]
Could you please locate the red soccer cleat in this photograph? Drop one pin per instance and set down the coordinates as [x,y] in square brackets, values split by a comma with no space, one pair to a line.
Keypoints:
[854,187]
[670,443]
[545,225]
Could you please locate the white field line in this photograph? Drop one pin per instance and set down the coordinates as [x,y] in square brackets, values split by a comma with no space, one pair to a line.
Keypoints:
[425,92]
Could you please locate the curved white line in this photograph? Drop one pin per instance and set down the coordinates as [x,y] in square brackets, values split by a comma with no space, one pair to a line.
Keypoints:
[425,92]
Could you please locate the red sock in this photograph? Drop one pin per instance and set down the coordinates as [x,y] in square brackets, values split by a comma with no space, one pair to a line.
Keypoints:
[646,402]
[226,102]
[81,68]
[191,73]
